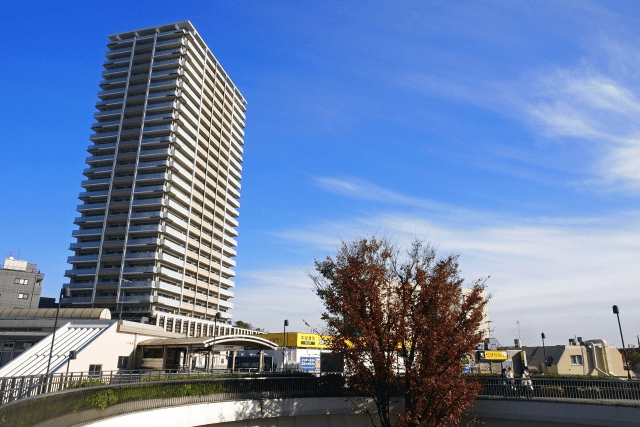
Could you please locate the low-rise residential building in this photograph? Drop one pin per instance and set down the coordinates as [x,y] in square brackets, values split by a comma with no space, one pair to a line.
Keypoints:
[20,284]
[593,357]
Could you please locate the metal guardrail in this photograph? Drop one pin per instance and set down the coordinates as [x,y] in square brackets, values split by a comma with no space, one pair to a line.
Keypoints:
[79,406]
[82,399]
[554,388]
[16,388]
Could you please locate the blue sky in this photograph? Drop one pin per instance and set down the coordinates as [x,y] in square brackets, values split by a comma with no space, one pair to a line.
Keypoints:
[505,132]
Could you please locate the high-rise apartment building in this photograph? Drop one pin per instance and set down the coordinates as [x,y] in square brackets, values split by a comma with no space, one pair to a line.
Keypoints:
[159,206]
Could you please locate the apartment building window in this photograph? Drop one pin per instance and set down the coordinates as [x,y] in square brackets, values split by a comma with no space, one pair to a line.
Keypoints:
[21,281]
[576,360]
[23,296]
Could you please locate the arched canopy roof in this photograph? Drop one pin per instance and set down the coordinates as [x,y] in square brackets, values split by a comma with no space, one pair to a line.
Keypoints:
[247,341]
[65,313]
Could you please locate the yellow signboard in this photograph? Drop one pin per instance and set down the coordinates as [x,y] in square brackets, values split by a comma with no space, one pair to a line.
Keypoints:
[495,355]
[298,339]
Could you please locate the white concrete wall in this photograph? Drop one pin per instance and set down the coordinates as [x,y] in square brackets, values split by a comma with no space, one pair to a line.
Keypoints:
[105,350]
[330,412]
[326,412]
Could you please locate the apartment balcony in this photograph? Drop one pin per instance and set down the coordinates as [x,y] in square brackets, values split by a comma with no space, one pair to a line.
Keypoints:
[157,152]
[111,71]
[80,272]
[161,105]
[144,269]
[87,232]
[171,42]
[111,257]
[161,54]
[109,102]
[96,169]
[115,230]
[154,164]
[149,202]
[164,128]
[150,189]
[108,82]
[164,115]
[136,299]
[105,124]
[146,228]
[108,92]
[76,300]
[226,304]
[100,147]
[138,284]
[88,219]
[108,114]
[171,273]
[130,132]
[162,94]
[78,285]
[138,215]
[83,245]
[152,177]
[103,135]
[101,158]
[82,258]
[91,194]
[119,50]
[165,84]
[144,242]
[167,301]
[143,255]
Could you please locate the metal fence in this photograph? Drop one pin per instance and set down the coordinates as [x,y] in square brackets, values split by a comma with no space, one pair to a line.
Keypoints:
[540,388]
[84,402]
[16,388]
[78,406]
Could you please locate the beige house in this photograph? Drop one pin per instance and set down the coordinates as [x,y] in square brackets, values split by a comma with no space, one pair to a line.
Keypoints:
[593,357]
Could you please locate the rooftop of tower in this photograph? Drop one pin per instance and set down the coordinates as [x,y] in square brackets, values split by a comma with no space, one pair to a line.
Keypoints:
[182,25]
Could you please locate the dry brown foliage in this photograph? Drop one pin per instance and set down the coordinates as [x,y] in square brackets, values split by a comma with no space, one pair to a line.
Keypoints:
[383,305]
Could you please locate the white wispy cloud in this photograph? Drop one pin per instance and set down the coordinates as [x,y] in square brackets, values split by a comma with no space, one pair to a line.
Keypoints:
[560,275]
[595,107]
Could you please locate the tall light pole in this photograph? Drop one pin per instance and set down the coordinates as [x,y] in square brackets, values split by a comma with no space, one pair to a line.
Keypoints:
[617,313]
[284,342]
[544,351]
[66,293]
[215,330]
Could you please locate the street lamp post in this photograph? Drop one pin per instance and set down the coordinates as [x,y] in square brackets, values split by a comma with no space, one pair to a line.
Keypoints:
[544,351]
[66,293]
[284,343]
[215,330]
[617,313]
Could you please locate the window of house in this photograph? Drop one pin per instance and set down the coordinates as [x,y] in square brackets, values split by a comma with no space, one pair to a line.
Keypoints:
[576,360]
[21,281]
[95,370]
[23,296]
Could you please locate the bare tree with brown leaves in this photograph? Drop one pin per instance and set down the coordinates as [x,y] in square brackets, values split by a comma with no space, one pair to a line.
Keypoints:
[383,304]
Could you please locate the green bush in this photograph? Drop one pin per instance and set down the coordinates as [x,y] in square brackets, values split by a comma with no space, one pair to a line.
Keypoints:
[104,398]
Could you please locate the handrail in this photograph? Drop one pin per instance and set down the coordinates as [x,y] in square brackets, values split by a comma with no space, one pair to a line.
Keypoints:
[143,391]
[78,406]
